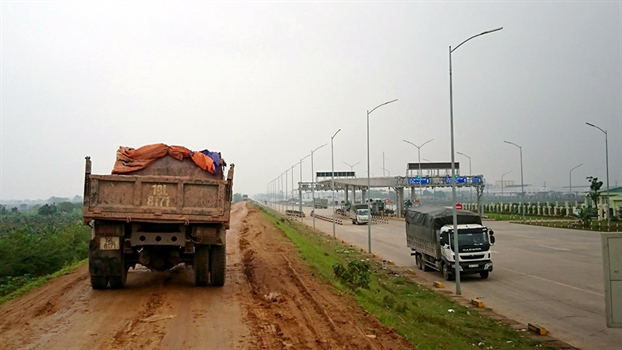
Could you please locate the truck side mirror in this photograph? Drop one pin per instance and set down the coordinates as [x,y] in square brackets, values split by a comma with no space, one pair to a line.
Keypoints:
[492,239]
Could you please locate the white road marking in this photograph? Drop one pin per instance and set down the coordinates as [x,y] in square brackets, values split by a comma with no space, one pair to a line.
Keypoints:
[554,248]
[547,280]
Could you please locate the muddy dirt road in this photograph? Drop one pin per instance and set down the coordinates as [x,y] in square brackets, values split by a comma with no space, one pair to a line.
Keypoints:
[270,301]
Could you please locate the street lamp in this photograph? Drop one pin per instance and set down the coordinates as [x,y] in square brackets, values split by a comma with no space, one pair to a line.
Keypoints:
[570,176]
[419,157]
[332,175]
[292,194]
[453,159]
[607,166]
[522,189]
[470,173]
[502,183]
[368,178]
[313,184]
[351,166]
[352,170]
[299,189]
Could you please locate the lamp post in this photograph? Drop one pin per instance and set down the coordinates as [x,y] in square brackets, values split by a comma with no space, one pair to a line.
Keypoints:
[607,169]
[299,189]
[453,164]
[502,183]
[286,192]
[570,176]
[332,175]
[293,184]
[313,184]
[368,178]
[352,170]
[351,166]
[419,157]
[522,189]
[470,173]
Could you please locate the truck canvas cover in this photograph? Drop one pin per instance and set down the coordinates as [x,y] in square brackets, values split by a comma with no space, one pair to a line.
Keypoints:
[161,184]
[422,223]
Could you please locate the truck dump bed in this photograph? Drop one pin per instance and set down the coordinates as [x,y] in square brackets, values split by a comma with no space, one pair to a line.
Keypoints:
[167,191]
[423,223]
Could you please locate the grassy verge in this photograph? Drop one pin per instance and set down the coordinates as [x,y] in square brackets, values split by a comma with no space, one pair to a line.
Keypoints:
[426,318]
[40,281]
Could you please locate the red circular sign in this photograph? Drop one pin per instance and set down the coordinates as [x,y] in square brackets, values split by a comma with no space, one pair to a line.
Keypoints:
[459,206]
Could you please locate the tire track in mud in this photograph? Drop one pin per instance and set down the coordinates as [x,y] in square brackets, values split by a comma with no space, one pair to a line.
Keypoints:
[143,330]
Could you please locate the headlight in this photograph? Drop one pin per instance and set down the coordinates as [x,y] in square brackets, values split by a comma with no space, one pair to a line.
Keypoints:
[487,266]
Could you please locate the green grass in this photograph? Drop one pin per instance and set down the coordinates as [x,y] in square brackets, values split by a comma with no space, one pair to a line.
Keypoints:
[40,281]
[419,314]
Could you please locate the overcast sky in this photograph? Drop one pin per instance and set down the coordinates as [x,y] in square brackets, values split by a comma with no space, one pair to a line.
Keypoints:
[265,83]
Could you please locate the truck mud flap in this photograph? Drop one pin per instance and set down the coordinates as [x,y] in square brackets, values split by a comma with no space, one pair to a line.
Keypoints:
[104,262]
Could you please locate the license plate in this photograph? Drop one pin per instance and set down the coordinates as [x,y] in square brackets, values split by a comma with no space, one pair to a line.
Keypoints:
[474,265]
[109,243]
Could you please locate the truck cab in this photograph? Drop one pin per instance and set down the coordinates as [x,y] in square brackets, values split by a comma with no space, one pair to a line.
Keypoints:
[475,254]
[359,215]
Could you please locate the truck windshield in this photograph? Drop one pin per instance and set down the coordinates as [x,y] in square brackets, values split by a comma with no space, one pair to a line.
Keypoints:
[362,212]
[471,238]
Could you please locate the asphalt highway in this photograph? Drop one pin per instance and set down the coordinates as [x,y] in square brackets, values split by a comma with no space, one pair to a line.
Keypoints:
[552,277]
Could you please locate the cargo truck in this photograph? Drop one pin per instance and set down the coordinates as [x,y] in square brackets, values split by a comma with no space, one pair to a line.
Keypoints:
[320,203]
[359,214]
[167,213]
[429,235]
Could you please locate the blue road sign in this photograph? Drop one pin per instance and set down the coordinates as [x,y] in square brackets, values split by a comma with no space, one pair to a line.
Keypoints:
[419,181]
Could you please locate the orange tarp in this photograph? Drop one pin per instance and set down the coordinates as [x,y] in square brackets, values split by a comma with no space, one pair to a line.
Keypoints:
[131,159]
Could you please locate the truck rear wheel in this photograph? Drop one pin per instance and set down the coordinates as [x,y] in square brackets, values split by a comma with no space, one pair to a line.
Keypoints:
[421,263]
[118,282]
[218,265]
[201,265]
[99,282]
[446,273]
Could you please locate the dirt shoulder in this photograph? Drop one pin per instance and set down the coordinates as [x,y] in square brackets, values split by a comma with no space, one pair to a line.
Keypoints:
[271,300]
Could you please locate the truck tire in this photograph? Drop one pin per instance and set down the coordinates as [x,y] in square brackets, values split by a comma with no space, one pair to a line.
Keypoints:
[99,282]
[418,261]
[422,265]
[201,265]
[118,282]
[483,274]
[218,265]
[446,273]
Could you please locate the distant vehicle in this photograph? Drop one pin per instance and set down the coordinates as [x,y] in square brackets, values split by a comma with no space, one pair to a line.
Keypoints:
[244,197]
[320,203]
[359,214]
[429,235]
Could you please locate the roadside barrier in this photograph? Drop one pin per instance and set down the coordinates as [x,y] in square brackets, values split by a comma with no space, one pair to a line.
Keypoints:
[326,218]
[379,220]
[294,213]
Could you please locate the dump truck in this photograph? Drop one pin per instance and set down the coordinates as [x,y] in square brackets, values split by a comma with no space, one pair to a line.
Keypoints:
[169,212]
[429,235]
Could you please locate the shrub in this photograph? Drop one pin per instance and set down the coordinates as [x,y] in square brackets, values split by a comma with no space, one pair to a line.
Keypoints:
[356,275]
